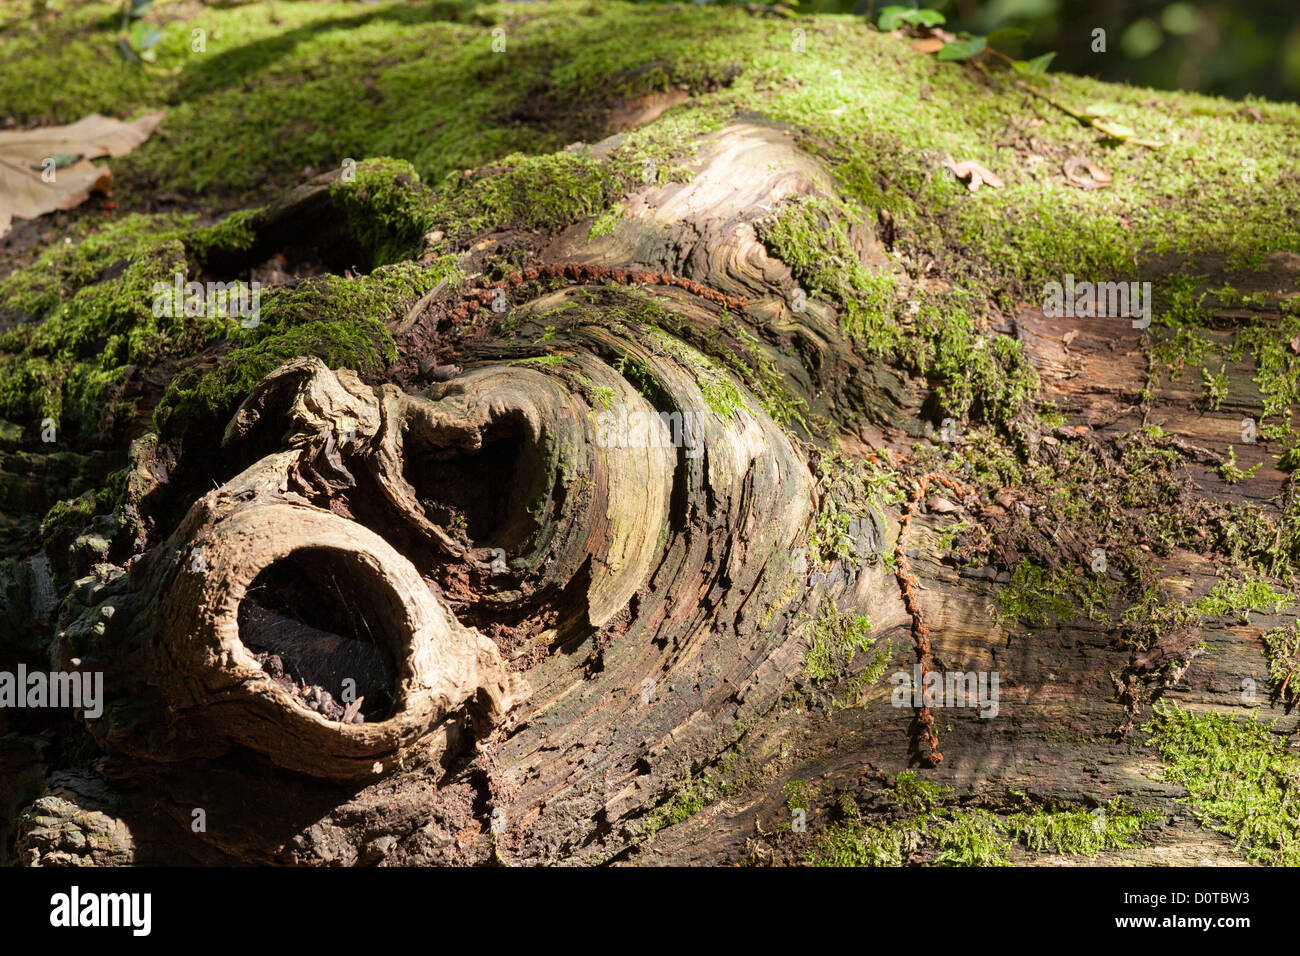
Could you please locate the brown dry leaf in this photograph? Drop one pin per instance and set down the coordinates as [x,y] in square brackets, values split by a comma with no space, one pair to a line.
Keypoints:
[927,45]
[1295,345]
[1084,173]
[976,174]
[26,154]
[1069,337]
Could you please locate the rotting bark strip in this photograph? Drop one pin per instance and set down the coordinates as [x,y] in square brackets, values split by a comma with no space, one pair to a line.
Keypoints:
[576,272]
[926,742]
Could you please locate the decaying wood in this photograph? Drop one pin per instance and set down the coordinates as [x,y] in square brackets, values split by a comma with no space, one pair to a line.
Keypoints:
[577,627]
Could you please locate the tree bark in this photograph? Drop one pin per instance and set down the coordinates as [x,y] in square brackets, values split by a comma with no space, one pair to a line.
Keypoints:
[559,629]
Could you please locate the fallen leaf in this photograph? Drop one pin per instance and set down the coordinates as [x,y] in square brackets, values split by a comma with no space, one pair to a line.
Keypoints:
[1069,337]
[351,711]
[1295,345]
[27,157]
[976,174]
[1084,173]
[1251,112]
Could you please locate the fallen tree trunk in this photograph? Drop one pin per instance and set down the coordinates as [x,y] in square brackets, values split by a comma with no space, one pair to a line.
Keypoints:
[636,549]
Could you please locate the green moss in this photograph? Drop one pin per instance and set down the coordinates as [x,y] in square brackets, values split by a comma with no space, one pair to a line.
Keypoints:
[1229,471]
[920,824]
[322,82]
[1277,370]
[971,838]
[852,491]
[1262,539]
[526,192]
[853,844]
[832,536]
[604,223]
[1289,460]
[546,361]
[1081,832]
[798,795]
[1180,342]
[722,395]
[325,81]
[697,792]
[933,334]
[385,209]
[231,235]
[809,235]
[1215,387]
[759,370]
[66,518]
[988,458]
[913,793]
[342,320]
[1238,597]
[694,796]
[91,309]
[835,638]
[1152,615]
[1282,648]
[713,351]
[1136,490]
[988,379]
[600,397]
[945,538]
[1240,779]
[717,385]
[1036,595]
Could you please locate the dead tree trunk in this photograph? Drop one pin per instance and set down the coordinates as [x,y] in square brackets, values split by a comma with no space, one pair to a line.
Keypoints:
[514,597]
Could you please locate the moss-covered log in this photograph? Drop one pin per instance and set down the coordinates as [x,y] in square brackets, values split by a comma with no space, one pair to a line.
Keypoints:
[600,505]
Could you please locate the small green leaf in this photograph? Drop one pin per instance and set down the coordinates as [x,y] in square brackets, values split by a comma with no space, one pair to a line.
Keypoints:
[143,36]
[894,15]
[961,49]
[1039,63]
[926,18]
[890,17]
[138,7]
